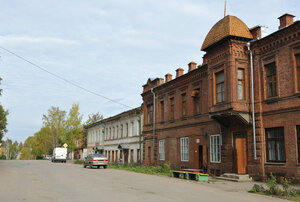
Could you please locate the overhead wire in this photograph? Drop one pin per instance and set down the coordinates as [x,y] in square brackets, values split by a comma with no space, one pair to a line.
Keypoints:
[63,79]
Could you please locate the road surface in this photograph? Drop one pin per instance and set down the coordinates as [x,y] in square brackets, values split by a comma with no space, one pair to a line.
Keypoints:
[45,181]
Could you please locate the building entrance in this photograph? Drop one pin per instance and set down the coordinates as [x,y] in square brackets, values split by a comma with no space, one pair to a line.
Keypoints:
[241,155]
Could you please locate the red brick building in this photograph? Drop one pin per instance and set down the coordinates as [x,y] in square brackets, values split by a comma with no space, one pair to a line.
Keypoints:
[203,119]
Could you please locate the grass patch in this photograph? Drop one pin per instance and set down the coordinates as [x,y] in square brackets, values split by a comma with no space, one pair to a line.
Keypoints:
[152,170]
[78,161]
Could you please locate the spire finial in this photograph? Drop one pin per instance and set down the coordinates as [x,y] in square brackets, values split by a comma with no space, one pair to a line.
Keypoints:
[225,9]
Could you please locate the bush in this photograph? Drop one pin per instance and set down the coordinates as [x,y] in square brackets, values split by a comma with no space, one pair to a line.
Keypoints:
[79,161]
[272,185]
[257,188]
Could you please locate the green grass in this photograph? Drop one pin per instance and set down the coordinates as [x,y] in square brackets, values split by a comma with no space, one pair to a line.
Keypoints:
[152,170]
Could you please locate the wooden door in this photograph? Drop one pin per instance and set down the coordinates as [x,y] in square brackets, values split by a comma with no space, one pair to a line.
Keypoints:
[241,155]
[126,156]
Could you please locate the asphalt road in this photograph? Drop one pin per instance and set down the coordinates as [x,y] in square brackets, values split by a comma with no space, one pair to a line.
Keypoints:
[45,181]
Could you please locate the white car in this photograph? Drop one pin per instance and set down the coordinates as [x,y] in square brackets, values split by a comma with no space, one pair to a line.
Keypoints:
[48,157]
[95,160]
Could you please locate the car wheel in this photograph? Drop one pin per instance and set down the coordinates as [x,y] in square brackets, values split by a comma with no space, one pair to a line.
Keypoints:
[84,165]
[104,167]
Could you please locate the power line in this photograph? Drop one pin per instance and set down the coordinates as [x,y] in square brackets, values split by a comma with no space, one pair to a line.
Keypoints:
[63,79]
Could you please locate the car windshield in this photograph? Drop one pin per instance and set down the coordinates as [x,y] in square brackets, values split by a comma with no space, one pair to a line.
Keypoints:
[97,155]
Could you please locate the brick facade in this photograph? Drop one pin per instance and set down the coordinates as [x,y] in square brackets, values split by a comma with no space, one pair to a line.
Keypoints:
[222,86]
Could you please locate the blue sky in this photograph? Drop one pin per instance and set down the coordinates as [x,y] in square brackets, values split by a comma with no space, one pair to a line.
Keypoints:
[109,47]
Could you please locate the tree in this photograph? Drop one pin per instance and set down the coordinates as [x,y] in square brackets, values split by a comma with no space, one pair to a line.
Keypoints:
[93,118]
[11,149]
[73,128]
[14,150]
[56,123]
[26,151]
[3,119]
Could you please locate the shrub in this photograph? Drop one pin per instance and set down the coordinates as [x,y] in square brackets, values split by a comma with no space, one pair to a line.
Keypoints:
[272,186]
[79,161]
[257,188]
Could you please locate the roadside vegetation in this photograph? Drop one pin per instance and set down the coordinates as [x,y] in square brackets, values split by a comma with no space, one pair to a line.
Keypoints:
[78,161]
[59,127]
[281,188]
[152,170]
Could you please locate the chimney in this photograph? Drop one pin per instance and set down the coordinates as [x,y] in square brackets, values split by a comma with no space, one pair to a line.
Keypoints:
[179,72]
[192,65]
[256,32]
[168,77]
[286,20]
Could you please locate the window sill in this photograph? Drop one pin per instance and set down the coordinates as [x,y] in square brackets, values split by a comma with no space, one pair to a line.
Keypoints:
[271,100]
[275,164]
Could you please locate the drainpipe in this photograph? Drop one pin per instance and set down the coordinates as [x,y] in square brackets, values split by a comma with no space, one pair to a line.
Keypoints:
[252,101]
[140,140]
[153,120]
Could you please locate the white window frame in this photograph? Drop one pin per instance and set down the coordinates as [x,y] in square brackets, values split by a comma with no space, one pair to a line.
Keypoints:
[215,148]
[184,148]
[161,150]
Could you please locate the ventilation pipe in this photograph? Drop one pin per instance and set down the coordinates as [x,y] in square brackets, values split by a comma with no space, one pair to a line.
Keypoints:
[252,101]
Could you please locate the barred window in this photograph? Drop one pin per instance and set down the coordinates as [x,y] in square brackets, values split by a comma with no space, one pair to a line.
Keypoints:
[215,148]
[162,150]
[184,148]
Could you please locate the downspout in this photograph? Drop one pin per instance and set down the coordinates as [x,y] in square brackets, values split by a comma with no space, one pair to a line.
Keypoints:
[153,118]
[140,141]
[252,101]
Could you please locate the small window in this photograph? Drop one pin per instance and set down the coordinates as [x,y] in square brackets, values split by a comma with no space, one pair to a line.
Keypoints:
[122,130]
[161,150]
[271,80]
[183,99]
[132,128]
[150,113]
[298,70]
[196,99]
[172,103]
[215,148]
[220,87]
[241,84]
[184,148]
[162,111]
[275,144]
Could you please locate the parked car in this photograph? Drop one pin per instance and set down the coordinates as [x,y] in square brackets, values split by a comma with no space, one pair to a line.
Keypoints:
[95,160]
[59,155]
[48,157]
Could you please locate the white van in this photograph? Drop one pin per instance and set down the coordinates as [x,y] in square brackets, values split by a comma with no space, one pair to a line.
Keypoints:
[59,155]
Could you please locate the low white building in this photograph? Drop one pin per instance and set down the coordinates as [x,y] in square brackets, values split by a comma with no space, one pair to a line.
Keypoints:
[118,137]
